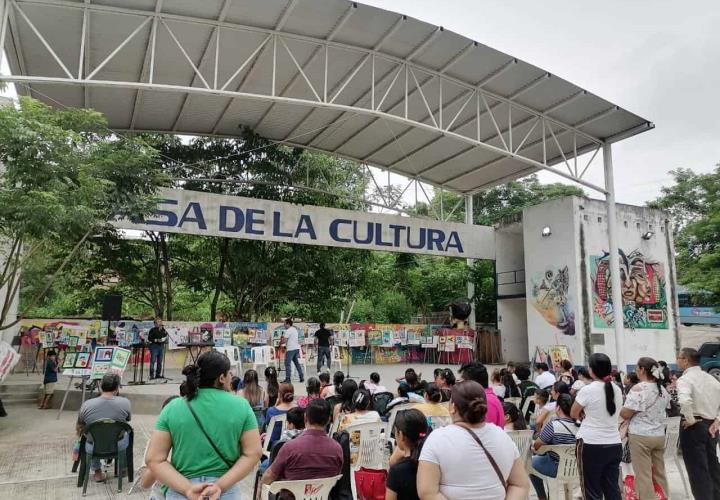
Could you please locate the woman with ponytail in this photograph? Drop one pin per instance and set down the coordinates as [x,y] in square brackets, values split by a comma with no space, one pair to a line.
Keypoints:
[285,401]
[432,407]
[470,460]
[598,441]
[211,450]
[645,407]
[410,431]
[361,412]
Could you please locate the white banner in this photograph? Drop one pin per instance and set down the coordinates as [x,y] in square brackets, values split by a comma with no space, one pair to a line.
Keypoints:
[207,214]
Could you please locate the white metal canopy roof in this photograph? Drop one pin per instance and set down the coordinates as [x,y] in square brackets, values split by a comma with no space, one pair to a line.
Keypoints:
[330,75]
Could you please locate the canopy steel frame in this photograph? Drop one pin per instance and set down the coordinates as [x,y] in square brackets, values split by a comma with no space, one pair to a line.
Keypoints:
[416,77]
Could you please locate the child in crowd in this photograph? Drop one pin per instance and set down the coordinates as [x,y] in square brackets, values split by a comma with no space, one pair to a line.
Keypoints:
[373,385]
[335,388]
[497,385]
[583,379]
[295,427]
[548,411]
[514,420]
[362,413]
[446,382]
[313,392]
[49,380]
[410,431]
[324,381]
[540,399]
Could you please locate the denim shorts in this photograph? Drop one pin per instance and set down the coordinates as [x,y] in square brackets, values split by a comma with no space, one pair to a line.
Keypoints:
[231,494]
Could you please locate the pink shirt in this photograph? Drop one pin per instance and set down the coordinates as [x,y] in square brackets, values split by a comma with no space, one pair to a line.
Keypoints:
[495,414]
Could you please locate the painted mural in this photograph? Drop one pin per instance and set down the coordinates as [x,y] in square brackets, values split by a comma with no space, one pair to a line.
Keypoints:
[551,298]
[643,291]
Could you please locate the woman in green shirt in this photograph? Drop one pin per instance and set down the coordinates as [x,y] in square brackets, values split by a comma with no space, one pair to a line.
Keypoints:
[212,433]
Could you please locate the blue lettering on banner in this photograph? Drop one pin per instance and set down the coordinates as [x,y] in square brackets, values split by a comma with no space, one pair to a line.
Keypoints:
[421,239]
[252,221]
[277,226]
[334,230]
[239,219]
[378,236]
[305,225]
[435,237]
[197,218]
[170,217]
[368,235]
[396,233]
[454,242]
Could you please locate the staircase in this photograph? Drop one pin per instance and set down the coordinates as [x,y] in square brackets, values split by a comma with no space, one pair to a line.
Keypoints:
[20,393]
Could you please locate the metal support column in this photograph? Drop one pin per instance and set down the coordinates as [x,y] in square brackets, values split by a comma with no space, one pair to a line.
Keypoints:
[617,303]
[470,262]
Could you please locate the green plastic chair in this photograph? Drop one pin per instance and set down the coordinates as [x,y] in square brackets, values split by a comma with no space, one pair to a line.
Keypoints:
[105,436]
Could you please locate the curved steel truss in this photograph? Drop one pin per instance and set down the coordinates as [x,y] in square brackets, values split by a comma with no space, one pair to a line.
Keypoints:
[168,72]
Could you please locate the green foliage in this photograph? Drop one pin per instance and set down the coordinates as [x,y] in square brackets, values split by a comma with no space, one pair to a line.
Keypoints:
[694,204]
[64,176]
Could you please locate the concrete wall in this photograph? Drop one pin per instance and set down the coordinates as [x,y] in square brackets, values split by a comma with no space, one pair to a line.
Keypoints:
[650,304]
[552,277]
[513,327]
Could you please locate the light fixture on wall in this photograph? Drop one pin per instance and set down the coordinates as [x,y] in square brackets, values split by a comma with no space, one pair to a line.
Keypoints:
[546,231]
[648,235]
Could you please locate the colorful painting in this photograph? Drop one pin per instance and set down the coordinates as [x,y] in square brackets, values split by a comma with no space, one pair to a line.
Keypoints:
[69,361]
[375,337]
[551,298]
[120,359]
[82,360]
[103,354]
[642,289]
[558,353]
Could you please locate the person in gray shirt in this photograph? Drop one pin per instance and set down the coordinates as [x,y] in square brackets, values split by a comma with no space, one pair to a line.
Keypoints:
[107,406]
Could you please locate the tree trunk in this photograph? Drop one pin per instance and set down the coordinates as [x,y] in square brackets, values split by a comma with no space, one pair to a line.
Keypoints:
[167,275]
[224,244]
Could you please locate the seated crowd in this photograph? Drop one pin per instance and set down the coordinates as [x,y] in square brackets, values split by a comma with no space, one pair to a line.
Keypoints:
[450,438]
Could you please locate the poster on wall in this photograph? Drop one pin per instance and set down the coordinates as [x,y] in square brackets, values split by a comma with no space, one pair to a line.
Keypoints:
[558,353]
[551,297]
[109,360]
[643,291]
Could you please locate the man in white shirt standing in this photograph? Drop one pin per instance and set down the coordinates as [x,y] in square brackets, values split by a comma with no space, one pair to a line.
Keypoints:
[544,378]
[699,398]
[292,350]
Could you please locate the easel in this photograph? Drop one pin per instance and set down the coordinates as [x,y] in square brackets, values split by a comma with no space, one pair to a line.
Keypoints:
[83,379]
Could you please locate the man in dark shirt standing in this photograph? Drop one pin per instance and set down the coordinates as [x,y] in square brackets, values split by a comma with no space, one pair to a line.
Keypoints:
[323,336]
[157,338]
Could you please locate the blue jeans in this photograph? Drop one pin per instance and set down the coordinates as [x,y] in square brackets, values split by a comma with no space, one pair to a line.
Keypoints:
[294,357]
[156,357]
[544,465]
[231,494]
[323,352]
[95,463]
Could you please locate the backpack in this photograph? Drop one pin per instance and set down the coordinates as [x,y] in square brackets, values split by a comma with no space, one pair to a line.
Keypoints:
[343,489]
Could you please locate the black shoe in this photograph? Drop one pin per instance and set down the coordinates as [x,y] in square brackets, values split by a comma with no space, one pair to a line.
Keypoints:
[302,380]
[286,381]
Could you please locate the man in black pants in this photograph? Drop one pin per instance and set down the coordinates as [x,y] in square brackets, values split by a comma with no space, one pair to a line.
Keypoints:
[699,398]
[323,336]
[157,337]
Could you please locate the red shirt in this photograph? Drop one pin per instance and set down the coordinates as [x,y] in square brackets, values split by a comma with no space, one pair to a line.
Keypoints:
[304,401]
[311,455]
[495,414]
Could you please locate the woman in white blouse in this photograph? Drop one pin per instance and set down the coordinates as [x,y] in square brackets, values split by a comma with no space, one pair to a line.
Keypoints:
[645,407]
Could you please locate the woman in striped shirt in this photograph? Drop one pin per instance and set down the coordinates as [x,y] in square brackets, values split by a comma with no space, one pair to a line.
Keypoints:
[561,430]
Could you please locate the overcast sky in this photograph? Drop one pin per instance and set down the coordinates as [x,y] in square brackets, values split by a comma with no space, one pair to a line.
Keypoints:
[657,58]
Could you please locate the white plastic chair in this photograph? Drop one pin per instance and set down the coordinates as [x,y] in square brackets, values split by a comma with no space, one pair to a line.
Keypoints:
[393,414]
[335,358]
[523,440]
[672,435]
[269,431]
[369,452]
[309,489]
[263,356]
[515,401]
[567,477]
[233,354]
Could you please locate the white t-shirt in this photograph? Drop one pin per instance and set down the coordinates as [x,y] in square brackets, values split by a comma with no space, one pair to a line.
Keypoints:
[599,427]
[499,390]
[545,380]
[291,334]
[577,385]
[465,471]
[650,404]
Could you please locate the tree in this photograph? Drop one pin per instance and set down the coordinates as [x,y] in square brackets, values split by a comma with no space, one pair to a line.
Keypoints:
[64,176]
[694,204]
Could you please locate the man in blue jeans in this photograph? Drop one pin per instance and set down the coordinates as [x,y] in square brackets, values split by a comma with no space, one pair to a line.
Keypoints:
[292,350]
[157,338]
[107,406]
[323,336]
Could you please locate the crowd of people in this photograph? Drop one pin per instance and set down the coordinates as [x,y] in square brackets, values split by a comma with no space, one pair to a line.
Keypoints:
[451,436]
